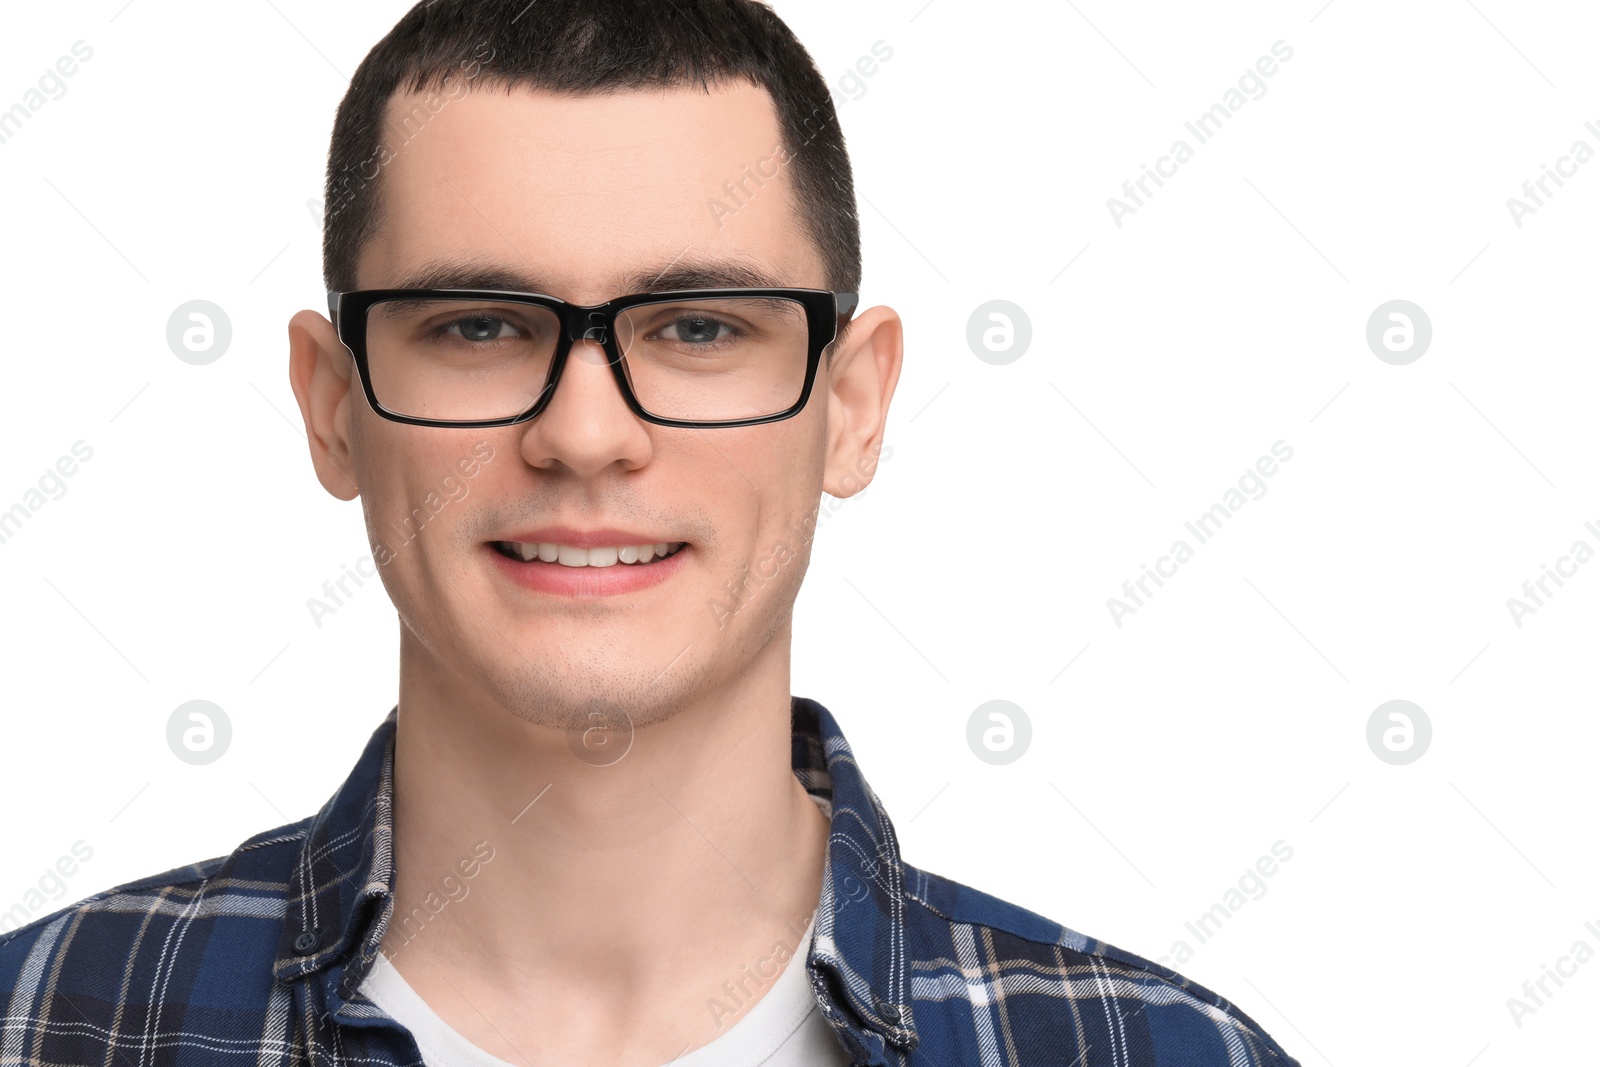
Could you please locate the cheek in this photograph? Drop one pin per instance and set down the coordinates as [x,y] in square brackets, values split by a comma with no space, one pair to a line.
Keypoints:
[751,471]
[788,486]
[407,493]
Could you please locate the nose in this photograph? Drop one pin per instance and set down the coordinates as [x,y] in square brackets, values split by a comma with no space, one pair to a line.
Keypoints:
[587,426]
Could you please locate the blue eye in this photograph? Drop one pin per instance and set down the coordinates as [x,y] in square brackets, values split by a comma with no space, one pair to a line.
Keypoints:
[480,328]
[696,330]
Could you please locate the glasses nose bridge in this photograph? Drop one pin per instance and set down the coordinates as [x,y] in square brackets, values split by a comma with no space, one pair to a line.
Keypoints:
[589,323]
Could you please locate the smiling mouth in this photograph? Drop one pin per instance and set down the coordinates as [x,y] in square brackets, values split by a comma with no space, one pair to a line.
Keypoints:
[568,556]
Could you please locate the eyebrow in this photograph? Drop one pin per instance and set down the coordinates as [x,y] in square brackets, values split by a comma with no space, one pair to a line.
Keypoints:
[674,274]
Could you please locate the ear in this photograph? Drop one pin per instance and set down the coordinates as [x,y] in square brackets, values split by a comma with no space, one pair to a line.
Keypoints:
[320,372]
[860,385]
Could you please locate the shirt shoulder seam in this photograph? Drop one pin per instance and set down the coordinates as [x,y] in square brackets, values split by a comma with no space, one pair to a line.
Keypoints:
[199,872]
[1127,961]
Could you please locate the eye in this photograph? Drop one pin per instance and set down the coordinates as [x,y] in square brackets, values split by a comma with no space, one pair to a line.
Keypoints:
[695,330]
[482,328]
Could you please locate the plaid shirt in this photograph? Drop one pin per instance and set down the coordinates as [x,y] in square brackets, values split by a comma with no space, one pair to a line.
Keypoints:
[256,958]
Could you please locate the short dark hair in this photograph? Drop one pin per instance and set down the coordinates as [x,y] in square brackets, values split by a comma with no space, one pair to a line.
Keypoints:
[592,46]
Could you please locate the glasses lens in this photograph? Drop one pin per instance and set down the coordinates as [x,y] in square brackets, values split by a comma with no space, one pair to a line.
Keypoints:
[459,359]
[715,359]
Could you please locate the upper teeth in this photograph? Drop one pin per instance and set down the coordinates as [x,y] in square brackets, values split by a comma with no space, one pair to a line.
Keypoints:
[591,557]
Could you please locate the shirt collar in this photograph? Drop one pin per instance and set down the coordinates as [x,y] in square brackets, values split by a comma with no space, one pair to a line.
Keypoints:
[343,877]
[342,884]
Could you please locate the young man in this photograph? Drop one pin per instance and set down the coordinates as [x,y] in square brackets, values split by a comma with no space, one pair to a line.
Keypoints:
[592,359]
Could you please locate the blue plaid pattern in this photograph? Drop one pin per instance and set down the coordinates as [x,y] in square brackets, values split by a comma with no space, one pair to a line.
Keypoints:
[255,958]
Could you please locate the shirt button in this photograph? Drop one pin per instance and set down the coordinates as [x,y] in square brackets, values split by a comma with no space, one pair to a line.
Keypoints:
[306,942]
[891,1013]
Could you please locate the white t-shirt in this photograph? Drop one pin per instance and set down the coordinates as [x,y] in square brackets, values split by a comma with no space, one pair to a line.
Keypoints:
[784,1028]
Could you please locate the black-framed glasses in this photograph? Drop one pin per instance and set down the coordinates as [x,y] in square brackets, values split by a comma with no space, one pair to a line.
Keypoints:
[688,357]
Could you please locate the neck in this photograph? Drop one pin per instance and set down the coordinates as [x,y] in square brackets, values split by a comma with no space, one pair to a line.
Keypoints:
[523,866]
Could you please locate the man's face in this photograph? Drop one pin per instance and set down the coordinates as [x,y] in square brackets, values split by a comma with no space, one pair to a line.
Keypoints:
[585,197]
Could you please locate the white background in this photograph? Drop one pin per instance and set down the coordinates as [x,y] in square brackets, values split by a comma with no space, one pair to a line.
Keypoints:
[1168,354]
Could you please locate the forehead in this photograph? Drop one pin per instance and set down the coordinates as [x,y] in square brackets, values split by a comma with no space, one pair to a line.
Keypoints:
[587,194]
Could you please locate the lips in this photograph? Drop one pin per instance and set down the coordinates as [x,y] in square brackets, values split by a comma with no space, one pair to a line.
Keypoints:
[576,572]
